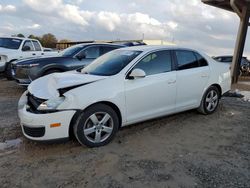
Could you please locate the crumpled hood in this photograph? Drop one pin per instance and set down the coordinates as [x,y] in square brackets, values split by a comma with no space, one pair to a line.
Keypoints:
[47,87]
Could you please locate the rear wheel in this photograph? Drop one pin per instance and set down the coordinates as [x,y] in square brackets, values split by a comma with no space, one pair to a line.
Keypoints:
[96,126]
[209,101]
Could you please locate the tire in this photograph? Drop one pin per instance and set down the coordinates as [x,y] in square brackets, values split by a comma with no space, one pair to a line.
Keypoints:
[50,71]
[96,126]
[210,101]
[7,72]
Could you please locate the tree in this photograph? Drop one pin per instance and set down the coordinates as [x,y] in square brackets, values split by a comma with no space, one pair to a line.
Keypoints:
[20,35]
[35,37]
[49,40]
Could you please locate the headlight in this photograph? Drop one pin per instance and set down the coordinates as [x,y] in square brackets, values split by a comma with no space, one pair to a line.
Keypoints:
[51,104]
[27,65]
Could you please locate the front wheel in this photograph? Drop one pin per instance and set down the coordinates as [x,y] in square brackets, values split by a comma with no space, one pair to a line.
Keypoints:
[7,72]
[96,126]
[210,101]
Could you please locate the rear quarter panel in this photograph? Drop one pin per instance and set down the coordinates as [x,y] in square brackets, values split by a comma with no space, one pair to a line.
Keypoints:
[219,74]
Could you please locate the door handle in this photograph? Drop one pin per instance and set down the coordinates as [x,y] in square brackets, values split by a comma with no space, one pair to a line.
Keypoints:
[34,54]
[204,75]
[171,81]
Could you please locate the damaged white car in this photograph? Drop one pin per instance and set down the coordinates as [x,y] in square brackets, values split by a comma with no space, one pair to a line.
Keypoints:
[122,87]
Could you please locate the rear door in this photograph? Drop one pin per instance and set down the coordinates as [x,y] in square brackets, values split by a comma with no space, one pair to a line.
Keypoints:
[192,76]
[38,50]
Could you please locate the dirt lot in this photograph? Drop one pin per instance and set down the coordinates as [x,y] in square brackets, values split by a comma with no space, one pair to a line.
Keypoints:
[183,150]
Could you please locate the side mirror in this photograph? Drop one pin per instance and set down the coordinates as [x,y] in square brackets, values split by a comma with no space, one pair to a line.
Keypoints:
[81,56]
[137,73]
[26,48]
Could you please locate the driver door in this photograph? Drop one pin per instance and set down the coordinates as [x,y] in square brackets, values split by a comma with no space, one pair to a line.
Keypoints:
[28,49]
[86,56]
[155,94]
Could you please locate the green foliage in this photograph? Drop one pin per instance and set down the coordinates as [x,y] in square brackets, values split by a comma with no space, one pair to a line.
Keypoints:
[49,40]
[20,35]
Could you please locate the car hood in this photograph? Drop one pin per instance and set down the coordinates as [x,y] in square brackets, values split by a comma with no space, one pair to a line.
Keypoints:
[48,87]
[6,51]
[41,60]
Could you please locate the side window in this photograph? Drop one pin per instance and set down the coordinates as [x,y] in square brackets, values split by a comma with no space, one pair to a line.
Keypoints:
[92,52]
[156,62]
[27,46]
[106,49]
[186,60]
[202,61]
[37,46]
[227,59]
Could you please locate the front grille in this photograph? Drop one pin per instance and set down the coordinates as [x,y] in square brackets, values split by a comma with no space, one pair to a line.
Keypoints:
[34,132]
[33,102]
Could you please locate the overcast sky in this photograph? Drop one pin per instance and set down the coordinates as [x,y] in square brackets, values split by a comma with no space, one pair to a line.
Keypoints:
[186,22]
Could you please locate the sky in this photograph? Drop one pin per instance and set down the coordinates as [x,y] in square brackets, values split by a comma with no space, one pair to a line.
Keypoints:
[188,23]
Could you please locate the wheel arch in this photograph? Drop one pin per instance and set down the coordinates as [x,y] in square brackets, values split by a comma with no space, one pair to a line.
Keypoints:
[60,68]
[78,112]
[9,62]
[218,87]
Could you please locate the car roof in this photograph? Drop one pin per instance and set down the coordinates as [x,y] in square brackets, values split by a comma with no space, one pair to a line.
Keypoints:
[95,43]
[21,38]
[147,48]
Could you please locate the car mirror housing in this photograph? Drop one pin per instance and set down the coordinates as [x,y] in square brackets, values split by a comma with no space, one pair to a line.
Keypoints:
[26,48]
[137,73]
[80,57]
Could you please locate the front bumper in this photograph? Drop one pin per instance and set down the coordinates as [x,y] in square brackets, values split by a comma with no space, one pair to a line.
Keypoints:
[20,75]
[38,126]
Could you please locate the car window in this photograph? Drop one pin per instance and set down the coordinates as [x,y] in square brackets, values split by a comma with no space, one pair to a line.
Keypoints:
[92,52]
[202,61]
[10,43]
[28,43]
[155,63]
[106,49]
[37,46]
[110,63]
[227,59]
[186,60]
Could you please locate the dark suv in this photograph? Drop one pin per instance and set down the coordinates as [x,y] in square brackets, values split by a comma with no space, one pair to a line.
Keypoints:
[75,57]
[244,64]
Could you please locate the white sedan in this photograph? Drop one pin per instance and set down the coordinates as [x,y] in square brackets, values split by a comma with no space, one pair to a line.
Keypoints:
[122,87]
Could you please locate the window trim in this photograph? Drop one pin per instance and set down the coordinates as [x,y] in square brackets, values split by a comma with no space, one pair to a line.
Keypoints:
[148,53]
[35,47]
[195,54]
[89,46]
[187,50]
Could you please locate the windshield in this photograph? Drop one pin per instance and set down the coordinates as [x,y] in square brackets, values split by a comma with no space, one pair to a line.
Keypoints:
[10,43]
[71,51]
[111,63]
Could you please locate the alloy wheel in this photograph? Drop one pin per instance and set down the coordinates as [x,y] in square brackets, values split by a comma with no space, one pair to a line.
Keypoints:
[98,127]
[211,100]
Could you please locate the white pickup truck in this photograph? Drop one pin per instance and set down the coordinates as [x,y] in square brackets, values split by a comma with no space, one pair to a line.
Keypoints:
[15,48]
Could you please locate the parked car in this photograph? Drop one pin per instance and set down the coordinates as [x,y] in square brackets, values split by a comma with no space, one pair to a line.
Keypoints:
[244,64]
[72,58]
[122,87]
[15,48]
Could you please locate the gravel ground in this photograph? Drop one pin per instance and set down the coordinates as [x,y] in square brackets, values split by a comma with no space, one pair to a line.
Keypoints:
[183,150]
